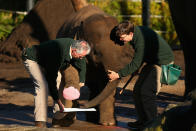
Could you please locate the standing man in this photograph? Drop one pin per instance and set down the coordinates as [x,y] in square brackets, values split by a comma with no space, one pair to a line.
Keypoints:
[43,63]
[154,51]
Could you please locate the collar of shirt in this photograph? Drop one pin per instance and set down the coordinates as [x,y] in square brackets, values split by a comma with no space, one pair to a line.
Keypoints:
[70,53]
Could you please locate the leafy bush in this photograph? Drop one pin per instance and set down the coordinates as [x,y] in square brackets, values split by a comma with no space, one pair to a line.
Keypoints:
[8,21]
[161,20]
[111,7]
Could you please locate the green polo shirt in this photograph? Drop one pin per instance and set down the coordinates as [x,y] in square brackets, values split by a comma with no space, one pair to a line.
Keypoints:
[54,55]
[150,48]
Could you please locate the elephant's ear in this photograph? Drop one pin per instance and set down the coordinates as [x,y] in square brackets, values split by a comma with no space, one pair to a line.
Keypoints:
[103,95]
[115,38]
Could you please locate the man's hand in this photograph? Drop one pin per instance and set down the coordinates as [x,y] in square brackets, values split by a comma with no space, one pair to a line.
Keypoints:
[112,75]
[81,84]
[61,106]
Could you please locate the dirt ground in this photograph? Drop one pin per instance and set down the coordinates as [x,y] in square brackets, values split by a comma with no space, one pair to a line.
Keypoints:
[16,97]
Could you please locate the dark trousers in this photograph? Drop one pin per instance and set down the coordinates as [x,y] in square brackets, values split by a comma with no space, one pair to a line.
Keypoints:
[144,93]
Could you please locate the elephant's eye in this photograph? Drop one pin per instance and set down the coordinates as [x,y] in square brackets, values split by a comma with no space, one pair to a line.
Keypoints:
[97,53]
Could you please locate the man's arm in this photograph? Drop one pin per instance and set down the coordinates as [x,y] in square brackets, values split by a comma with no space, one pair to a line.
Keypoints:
[137,60]
[51,79]
[80,65]
[134,65]
[81,84]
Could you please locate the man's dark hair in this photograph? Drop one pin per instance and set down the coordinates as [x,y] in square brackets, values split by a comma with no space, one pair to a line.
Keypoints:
[124,27]
[115,38]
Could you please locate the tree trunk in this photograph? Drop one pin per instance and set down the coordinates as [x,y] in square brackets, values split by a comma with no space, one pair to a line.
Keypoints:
[182,15]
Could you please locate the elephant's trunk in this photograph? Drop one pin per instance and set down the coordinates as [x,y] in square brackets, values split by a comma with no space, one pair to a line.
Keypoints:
[103,95]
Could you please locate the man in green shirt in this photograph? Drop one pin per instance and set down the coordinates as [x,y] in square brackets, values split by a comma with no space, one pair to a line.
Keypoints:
[43,63]
[153,50]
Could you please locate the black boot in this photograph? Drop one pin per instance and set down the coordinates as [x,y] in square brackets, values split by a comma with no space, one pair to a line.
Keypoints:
[65,121]
[136,124]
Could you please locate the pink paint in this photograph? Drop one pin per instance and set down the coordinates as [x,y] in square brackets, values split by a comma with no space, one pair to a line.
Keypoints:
[71,93]
[111,127]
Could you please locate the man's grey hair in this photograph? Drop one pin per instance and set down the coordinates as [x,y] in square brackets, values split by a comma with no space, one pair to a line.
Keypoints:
[81,46]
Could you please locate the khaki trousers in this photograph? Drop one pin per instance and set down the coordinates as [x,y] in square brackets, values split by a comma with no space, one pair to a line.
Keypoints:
[41,90]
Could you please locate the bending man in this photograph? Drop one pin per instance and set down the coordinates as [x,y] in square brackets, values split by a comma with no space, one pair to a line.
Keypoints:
[43,63]
[154,51]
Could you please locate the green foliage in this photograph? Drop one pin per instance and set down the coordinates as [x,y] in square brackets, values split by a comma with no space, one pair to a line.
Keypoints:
[111,7]
[135,10]
[161,20]
[8,21]
[164,22]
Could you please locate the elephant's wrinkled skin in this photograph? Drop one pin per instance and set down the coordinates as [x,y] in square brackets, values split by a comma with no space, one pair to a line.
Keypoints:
[94,26]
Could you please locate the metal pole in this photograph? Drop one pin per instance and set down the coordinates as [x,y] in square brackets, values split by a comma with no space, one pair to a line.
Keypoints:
[146,13]
[30,4]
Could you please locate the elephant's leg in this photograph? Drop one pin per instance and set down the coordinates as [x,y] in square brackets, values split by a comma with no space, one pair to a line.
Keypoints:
[69,77]
[105,113]
[93,116]
[106,109]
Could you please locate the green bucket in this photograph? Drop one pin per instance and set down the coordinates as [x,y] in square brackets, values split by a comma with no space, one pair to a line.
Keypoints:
[170,74]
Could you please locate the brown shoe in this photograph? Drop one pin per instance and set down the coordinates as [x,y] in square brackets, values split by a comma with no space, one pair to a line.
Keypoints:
[41,124]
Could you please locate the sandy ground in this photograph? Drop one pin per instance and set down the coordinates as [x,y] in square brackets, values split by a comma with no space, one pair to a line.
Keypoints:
[16,97]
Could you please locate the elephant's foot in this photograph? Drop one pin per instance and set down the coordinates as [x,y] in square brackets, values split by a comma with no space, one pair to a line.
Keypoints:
[66,121]
[108,123]
[107,118]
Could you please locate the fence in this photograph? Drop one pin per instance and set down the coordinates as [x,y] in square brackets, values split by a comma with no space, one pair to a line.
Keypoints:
[160,18]
[16,12]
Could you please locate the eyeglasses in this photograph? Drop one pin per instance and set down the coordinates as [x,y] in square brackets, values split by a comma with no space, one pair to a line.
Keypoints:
[122,37]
